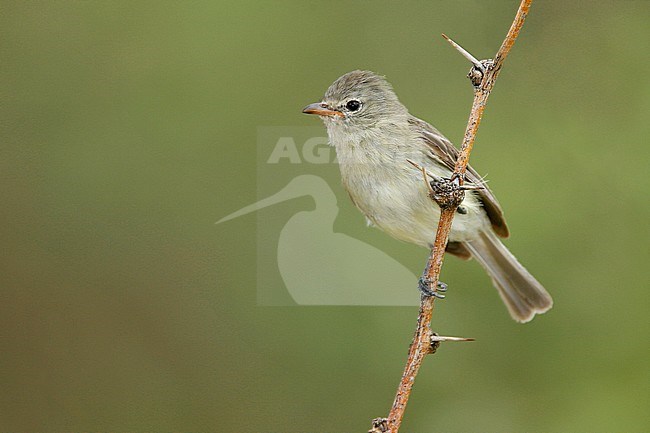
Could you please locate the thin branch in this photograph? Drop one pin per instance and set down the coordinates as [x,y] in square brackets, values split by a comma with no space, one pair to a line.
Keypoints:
[424,339]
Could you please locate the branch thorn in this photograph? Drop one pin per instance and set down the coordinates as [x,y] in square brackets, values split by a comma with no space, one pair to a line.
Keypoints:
[436,337]
[477,63]
[425,174]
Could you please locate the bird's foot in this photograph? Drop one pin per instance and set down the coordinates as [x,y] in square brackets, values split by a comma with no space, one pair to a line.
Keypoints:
[424,284]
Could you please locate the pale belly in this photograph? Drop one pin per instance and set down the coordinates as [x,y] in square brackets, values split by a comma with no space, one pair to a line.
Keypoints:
[396,201]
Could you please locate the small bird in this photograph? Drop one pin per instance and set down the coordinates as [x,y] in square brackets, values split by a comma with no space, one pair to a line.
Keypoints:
[375,136]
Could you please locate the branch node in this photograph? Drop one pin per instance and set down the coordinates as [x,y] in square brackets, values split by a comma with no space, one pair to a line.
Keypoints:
[379,425]
[445,192]
[448,193]
[476,74]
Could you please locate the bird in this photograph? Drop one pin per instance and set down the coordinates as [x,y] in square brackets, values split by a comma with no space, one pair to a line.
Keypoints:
[321,267]
[374,137]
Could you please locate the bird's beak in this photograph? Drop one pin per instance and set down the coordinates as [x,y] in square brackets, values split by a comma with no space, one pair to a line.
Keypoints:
[320,108]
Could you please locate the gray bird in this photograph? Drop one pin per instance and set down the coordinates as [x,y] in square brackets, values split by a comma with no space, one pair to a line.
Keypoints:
[374,135]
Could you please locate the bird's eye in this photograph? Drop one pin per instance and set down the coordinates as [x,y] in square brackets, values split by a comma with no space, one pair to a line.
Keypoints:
[353,105]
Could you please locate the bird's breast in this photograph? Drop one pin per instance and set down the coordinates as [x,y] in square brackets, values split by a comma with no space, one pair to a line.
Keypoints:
[394,197]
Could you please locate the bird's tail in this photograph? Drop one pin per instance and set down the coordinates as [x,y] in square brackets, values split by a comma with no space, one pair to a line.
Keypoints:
[521,292]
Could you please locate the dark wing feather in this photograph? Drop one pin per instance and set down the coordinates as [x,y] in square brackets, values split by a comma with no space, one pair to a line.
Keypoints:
[443,151]
[459,250]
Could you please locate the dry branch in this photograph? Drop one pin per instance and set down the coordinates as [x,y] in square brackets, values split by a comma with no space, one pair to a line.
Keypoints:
[483,76]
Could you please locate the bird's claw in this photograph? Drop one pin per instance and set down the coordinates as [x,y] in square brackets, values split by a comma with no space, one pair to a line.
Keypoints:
[424,285]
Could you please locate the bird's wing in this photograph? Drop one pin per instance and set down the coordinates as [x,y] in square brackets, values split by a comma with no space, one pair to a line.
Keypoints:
[443,151]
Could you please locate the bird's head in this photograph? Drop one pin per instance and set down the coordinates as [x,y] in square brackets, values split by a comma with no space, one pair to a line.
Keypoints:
[359,100]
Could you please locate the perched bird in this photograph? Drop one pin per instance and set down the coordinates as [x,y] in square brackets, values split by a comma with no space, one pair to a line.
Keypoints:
[374,135]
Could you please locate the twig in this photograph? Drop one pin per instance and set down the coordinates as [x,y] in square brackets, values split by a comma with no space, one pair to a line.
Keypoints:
[424,339]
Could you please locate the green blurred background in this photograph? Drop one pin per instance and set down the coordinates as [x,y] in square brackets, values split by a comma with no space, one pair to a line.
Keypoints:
[129,128]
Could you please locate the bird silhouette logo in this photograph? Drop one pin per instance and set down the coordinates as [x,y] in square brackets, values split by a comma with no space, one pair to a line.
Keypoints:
[322,267]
